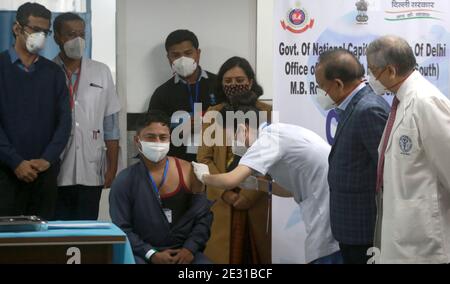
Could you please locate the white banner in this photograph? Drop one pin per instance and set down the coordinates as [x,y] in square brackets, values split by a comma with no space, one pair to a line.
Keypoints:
[305,29]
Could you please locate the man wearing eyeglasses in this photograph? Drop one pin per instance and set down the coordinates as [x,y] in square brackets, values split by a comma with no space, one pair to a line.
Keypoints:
[35,118]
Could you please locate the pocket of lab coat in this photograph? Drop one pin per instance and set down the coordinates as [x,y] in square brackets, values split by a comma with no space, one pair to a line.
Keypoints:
[95,147]
[414,226]
[93,97]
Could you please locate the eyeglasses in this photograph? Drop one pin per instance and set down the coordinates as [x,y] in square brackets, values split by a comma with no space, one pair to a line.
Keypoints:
[39,30]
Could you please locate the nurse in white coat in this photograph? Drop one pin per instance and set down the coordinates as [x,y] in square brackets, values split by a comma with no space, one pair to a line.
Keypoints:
[297,160]
[414,219]
[89,162]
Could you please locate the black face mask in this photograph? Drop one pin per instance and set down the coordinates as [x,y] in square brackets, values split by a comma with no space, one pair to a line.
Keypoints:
[237,93]
[235,89]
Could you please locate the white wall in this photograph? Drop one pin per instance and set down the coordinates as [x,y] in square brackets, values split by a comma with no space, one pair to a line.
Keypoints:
[104,32]
[224,29]
[264,47]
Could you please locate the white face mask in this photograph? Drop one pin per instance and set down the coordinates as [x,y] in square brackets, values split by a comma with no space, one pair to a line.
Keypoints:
[35,42]
[74,48]
[184,66]
[153,151]
[376,85]
[324,100]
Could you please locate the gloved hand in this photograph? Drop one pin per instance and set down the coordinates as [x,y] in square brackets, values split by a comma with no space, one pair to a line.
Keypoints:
[200,170]
[250,183]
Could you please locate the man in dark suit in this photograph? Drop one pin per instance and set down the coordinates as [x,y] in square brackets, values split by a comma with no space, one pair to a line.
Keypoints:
[354,155]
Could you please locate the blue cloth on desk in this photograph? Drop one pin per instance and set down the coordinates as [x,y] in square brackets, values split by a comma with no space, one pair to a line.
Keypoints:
[122,253]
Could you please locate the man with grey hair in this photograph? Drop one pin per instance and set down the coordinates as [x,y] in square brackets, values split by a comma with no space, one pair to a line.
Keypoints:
[413,184]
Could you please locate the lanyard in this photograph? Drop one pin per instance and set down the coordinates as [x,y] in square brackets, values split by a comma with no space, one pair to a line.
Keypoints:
[197,94]
[155,187]
[73,88]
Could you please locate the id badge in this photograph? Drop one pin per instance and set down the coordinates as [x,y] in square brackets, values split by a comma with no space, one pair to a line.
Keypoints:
[168,214]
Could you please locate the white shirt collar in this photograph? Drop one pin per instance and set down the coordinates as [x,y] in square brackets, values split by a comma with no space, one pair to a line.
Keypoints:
[348,99]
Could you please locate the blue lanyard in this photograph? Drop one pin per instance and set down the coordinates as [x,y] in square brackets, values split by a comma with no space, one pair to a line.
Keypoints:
[155,187]
[197,94]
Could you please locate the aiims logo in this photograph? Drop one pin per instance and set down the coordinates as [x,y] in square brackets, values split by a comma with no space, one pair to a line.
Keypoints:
[406,145]
[362,17]
[297,20]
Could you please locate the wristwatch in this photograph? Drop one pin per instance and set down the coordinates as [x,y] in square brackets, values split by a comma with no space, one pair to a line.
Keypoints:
[149,254]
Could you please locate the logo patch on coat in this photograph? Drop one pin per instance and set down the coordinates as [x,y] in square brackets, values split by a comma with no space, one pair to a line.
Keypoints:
[405,145]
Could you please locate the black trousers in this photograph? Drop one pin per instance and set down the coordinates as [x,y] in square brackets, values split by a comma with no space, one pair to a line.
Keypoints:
[355,254]
[20,198]
[78,203]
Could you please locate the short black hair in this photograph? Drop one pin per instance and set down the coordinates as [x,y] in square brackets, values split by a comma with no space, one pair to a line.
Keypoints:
[32,9]
[179,36]
[66,17]
[341,64]
[243,63]
[153,116]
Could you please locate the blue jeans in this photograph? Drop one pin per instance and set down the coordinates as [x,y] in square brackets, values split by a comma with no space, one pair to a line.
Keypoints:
[335,258]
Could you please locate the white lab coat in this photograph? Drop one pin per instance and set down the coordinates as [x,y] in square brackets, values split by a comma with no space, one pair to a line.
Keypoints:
[84,159]
[297,159]
[415,224]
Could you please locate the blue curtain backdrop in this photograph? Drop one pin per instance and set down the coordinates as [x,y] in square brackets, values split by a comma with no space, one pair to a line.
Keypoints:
[8,18]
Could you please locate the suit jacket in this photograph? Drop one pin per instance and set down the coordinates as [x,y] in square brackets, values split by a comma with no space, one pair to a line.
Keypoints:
[353,168]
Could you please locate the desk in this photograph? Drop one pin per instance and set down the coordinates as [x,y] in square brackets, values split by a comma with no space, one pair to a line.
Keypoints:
[60,246]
